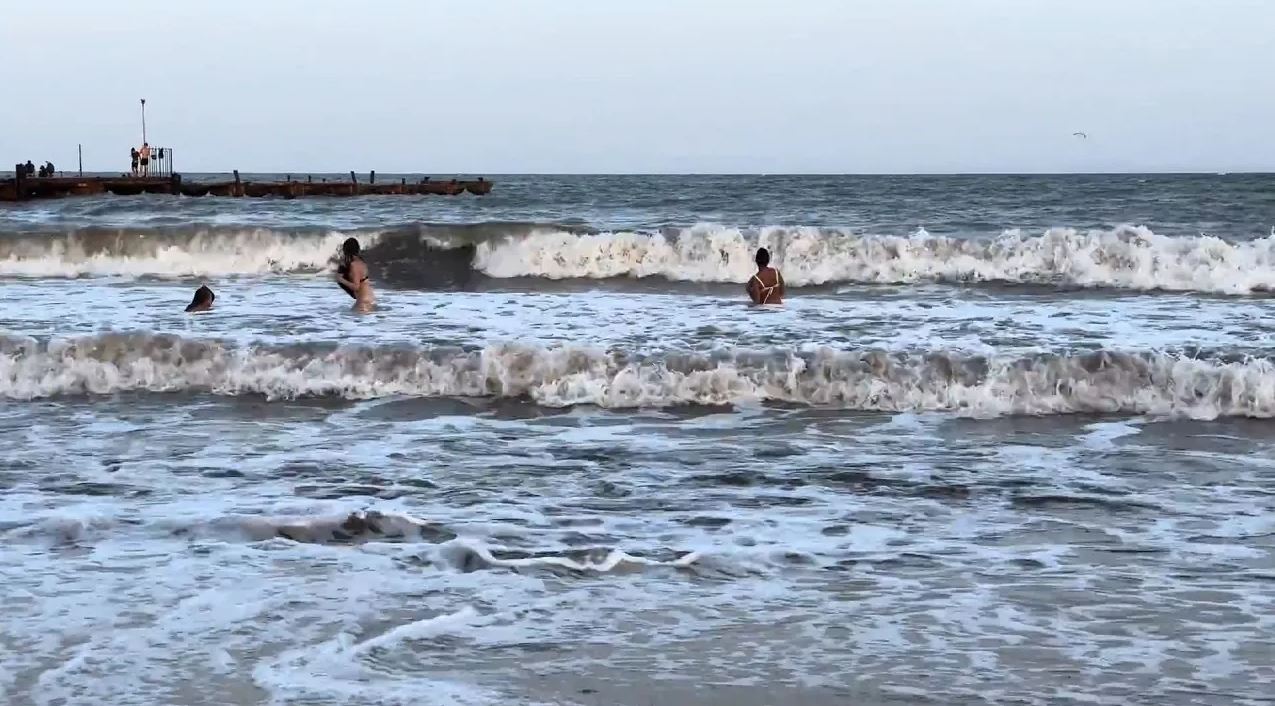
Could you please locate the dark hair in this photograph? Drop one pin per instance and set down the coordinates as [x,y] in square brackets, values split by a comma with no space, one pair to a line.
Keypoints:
[350,247]
[203,296]
[763,257]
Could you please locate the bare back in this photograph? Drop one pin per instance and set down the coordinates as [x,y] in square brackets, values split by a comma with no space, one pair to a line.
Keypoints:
[766,287]
[356,279]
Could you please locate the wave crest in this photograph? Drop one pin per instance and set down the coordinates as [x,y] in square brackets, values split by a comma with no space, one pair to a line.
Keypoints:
[1094,382]
[432,255]
[1127,257]
[173,253]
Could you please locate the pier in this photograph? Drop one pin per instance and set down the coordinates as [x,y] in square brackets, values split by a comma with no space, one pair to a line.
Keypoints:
[23,187]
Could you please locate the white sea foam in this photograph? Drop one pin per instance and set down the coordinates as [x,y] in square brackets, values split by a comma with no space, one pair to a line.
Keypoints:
[218,251]
[1097,382]
[1126,257]
[335,670]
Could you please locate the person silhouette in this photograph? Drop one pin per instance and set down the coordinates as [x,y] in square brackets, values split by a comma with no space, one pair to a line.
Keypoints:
[203,300]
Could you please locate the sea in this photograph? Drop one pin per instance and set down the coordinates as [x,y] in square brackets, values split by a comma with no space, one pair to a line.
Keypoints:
[1008,440]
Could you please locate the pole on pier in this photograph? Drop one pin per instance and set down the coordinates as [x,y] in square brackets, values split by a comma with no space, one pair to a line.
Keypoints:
[79,149]
[355,181]
[372,176]
[143,121]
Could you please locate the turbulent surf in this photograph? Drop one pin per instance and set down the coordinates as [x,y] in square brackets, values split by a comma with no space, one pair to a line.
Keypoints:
[1005,433]
[1125,257]
[870,380]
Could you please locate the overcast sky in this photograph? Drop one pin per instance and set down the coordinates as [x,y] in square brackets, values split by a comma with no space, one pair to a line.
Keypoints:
[490,86]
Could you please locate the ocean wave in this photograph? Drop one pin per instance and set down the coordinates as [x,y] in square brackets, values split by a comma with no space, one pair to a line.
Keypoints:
[440,255]
[1104,381]
[1127,257]
[170,252]
[354,528]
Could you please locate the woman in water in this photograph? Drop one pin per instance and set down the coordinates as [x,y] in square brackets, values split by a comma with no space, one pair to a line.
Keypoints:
[203,300]
[352,276]
[767,286]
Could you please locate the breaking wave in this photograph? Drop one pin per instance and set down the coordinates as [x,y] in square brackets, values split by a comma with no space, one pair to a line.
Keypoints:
[1127,257]
[1104,381]
[169,253]
[425,255]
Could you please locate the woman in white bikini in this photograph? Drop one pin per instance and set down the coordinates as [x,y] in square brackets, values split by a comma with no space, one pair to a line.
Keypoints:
[352,276]
[767,286]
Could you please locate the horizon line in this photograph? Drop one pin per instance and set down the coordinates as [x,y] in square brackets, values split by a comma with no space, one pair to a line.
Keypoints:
[344,172]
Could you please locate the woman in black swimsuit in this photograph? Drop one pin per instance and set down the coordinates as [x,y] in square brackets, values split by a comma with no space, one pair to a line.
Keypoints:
[352,276]
[349,251]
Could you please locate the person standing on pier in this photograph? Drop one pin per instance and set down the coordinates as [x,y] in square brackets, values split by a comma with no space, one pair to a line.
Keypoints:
[135,155]
[145,158]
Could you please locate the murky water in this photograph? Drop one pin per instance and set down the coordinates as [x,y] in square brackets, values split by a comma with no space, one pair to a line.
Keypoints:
[564,463]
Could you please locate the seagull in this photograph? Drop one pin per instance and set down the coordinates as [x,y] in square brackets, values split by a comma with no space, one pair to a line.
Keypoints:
[1080,135]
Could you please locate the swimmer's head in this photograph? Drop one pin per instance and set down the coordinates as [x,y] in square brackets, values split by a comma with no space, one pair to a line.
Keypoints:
[763,257]
[203,300]
[350,247]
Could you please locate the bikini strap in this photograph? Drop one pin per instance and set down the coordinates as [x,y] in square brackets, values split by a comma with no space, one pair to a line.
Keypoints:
[766,289]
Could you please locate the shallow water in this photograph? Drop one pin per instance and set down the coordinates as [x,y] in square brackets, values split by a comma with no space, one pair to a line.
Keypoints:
[562,482]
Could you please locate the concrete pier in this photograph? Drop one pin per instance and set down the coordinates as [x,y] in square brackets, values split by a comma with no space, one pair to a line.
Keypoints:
[22,187]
